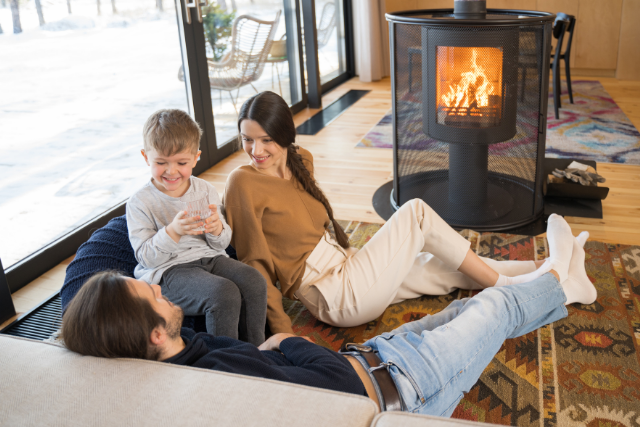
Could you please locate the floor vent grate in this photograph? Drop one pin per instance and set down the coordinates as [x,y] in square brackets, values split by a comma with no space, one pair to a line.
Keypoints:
[331,112]
[39,323]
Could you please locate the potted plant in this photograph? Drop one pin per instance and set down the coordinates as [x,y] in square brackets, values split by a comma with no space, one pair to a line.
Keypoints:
[217,25]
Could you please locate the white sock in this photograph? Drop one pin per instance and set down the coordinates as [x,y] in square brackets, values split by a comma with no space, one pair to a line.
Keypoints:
[582,238]
[544,268]
[578,287]
[523,278]
[561,242]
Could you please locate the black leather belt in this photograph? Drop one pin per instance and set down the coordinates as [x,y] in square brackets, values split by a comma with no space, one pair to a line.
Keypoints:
[379,374]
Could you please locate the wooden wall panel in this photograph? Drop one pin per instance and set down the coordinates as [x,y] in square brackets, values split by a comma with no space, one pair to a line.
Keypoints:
[598,34]
[629,52]
[398,5]
[434,4]
[512,4]
[570,7]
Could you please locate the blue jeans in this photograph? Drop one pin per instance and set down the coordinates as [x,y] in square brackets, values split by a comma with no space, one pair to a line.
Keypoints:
[434,360]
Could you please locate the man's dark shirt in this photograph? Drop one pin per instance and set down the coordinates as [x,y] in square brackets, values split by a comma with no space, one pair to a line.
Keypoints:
[300,362]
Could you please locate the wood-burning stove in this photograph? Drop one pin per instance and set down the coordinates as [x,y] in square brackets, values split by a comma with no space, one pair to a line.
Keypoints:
[470,141]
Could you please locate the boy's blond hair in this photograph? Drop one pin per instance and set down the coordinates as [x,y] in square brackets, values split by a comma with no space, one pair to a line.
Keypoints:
[171,131]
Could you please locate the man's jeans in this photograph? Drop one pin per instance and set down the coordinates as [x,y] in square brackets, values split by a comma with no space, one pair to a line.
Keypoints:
[435,359]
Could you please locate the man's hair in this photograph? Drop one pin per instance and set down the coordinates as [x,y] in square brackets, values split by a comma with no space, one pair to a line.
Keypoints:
[106,319]
[171,131]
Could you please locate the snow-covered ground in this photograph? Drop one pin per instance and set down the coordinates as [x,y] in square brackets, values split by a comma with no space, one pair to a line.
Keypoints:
[74,96]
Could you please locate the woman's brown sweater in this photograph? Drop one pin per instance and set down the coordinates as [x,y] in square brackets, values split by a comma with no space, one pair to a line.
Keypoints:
[276,225]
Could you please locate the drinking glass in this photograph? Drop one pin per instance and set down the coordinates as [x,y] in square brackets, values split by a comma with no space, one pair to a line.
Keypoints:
[196,204]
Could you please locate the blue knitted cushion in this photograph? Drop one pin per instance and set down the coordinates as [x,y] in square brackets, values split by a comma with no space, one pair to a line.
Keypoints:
[108,248]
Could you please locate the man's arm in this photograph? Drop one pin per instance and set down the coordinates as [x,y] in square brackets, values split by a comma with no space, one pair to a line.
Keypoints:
[315,365]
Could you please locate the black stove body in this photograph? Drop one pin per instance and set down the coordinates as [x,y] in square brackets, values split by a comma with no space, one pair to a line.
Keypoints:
[470,90]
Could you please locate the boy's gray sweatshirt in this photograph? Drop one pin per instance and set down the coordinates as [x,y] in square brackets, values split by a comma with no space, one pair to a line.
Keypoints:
[149,211]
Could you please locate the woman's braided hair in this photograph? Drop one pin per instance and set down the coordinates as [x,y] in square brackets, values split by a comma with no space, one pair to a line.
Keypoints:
[272,113]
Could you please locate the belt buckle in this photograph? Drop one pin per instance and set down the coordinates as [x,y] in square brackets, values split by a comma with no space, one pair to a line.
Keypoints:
[355,347]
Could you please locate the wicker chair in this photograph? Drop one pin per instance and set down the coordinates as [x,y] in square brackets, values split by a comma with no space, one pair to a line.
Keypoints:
[326,24]
[251,41]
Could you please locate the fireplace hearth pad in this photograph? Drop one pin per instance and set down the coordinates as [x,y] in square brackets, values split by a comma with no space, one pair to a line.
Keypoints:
[469,112]
[585,208]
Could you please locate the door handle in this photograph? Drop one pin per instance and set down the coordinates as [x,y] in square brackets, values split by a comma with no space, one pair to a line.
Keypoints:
[195,4]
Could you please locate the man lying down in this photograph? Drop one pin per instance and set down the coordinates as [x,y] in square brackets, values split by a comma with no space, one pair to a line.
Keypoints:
[423,366]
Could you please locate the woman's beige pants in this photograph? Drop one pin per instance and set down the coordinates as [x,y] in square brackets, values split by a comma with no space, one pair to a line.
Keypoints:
[415,253]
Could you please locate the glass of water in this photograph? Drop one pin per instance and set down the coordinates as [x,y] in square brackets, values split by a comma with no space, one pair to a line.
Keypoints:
[196,204]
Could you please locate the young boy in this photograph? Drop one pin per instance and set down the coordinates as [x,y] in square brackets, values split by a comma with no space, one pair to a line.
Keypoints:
[191,266]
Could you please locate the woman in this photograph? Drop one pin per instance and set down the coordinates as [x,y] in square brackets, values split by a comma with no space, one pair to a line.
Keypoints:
[280,219]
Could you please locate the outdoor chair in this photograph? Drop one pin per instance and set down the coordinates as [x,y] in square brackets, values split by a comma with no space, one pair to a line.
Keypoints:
[559,30]
[566,55]
[251,41]
[326,24]
[277,54]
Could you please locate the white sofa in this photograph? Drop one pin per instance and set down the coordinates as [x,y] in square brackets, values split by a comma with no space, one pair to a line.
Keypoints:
[43,384]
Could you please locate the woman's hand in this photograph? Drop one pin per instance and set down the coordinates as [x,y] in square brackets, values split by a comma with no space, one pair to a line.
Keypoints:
[181,226]
[213,224]
[273,343]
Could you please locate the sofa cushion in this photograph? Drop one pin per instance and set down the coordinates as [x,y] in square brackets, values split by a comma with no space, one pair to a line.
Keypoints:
[395,419]
[45,384]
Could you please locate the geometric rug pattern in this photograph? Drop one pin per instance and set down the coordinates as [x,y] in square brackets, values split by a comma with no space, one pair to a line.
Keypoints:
[592,128]
[581,371]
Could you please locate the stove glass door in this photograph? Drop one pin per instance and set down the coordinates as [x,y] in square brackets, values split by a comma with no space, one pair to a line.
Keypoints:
[469,86]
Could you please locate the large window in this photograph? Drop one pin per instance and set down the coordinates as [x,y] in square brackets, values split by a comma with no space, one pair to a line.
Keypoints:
[75,94]
[78,79]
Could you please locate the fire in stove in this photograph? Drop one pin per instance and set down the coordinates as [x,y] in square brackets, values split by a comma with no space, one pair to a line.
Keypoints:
[469,88]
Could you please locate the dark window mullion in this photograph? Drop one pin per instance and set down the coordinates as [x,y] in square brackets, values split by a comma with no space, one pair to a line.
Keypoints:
[200,90]
[314,94]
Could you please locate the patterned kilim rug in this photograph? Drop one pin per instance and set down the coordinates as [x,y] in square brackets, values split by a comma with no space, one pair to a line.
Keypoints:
[581,371]
[592,128]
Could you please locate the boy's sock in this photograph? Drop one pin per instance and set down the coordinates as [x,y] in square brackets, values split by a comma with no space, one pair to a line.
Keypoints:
[524,278]
[578,287]
[561,242]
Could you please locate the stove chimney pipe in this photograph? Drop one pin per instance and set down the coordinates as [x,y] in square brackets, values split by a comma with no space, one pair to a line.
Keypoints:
[470,9]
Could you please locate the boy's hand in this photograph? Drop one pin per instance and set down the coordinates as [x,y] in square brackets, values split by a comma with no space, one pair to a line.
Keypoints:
[181,226]
[213,224]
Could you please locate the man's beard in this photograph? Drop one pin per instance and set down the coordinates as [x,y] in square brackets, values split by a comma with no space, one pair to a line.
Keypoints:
[172,328]
[175,323]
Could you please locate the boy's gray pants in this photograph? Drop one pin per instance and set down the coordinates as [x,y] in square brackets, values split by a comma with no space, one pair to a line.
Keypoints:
[232,296]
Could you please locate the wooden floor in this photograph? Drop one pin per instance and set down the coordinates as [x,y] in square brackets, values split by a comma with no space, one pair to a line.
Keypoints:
[350,176]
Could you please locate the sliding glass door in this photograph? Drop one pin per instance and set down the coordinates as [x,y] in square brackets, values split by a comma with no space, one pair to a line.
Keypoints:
[329,53]
[250,46]
[331,39]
